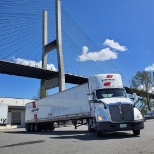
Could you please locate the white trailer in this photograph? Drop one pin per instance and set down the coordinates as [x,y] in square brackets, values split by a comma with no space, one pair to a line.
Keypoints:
[61,106]
[3,114]
[101,103]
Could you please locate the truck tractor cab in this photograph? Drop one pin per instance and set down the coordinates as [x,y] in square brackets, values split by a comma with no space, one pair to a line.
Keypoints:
[111,109]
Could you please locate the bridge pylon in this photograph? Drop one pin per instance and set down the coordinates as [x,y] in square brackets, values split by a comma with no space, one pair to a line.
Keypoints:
[56,44]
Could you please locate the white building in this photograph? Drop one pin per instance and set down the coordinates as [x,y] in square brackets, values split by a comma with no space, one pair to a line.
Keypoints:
[12,112]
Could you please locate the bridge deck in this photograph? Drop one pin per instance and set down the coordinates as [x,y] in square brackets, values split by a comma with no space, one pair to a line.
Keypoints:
[38,73]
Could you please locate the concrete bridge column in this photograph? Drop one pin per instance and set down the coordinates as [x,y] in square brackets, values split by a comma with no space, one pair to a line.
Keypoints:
[59,47]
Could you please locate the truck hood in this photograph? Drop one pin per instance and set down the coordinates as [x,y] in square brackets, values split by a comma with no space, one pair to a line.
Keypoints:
[116,100]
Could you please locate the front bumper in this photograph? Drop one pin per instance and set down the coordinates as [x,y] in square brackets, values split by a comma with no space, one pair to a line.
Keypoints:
[109,126]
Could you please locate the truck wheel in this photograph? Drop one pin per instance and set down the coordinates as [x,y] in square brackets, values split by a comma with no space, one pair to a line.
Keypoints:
[136,132]
[31,127]
[90,129]
[99,134]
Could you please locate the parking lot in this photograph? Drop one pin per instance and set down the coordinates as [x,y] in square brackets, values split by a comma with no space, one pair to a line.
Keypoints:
[66,140]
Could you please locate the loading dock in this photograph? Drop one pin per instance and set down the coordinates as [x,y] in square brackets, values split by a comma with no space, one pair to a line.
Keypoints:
[12,112]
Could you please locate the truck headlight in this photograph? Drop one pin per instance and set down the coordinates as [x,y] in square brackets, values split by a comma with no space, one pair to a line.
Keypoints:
[99,117]
[139,116]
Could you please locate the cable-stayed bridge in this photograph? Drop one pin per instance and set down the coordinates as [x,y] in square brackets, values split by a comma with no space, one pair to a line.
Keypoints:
[21,43]
[38,73]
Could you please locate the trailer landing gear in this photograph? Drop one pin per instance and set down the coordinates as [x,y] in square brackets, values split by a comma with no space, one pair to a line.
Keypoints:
[79,122]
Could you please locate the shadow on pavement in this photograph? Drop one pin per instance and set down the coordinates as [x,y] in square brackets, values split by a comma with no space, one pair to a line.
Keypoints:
[78,134]
[24,143]
[92,136]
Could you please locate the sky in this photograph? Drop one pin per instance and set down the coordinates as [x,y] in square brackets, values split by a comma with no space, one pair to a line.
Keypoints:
[120,37]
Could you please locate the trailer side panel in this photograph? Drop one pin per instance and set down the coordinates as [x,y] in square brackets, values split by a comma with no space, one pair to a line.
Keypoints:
[69,104]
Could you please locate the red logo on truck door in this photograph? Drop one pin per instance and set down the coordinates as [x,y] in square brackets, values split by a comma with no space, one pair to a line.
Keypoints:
[107,83]
[109,76]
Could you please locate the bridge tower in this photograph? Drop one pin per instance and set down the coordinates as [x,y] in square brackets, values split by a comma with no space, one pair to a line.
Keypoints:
[56,44]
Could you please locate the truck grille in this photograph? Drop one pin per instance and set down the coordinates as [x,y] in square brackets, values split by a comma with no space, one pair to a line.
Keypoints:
[121,112]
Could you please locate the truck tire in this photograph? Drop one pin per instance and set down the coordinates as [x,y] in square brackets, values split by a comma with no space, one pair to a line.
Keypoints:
[90,129]
[36,127]
[99,133]
[136,132]
[27,127]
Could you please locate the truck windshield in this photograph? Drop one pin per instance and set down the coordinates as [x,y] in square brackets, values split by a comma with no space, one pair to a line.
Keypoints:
[111,92]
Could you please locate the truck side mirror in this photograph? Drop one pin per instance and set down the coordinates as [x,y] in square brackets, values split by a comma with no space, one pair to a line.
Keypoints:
[139,99]
[93,101]
[91,93]
[93,96]
[134,96]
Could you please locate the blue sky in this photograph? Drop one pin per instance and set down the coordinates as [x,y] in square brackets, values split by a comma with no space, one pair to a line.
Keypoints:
[126,24]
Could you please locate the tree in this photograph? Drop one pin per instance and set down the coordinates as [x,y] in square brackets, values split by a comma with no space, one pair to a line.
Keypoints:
[142,82]
[42,93]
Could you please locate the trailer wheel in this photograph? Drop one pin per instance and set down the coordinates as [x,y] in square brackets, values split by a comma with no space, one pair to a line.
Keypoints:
[31,127]
[136,132]
[36,127]
[27,127]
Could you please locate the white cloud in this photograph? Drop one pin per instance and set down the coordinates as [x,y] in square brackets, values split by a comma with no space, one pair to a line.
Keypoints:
[150,90]
[114,45]
[102,55]
[32,63]
[149,68]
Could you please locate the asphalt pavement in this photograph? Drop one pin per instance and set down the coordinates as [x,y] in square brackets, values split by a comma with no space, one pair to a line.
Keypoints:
[67,140]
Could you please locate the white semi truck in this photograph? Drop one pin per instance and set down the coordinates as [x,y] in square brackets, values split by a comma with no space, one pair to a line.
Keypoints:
[102,104]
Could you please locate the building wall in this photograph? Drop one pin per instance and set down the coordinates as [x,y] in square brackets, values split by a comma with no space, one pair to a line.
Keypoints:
[15,102]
